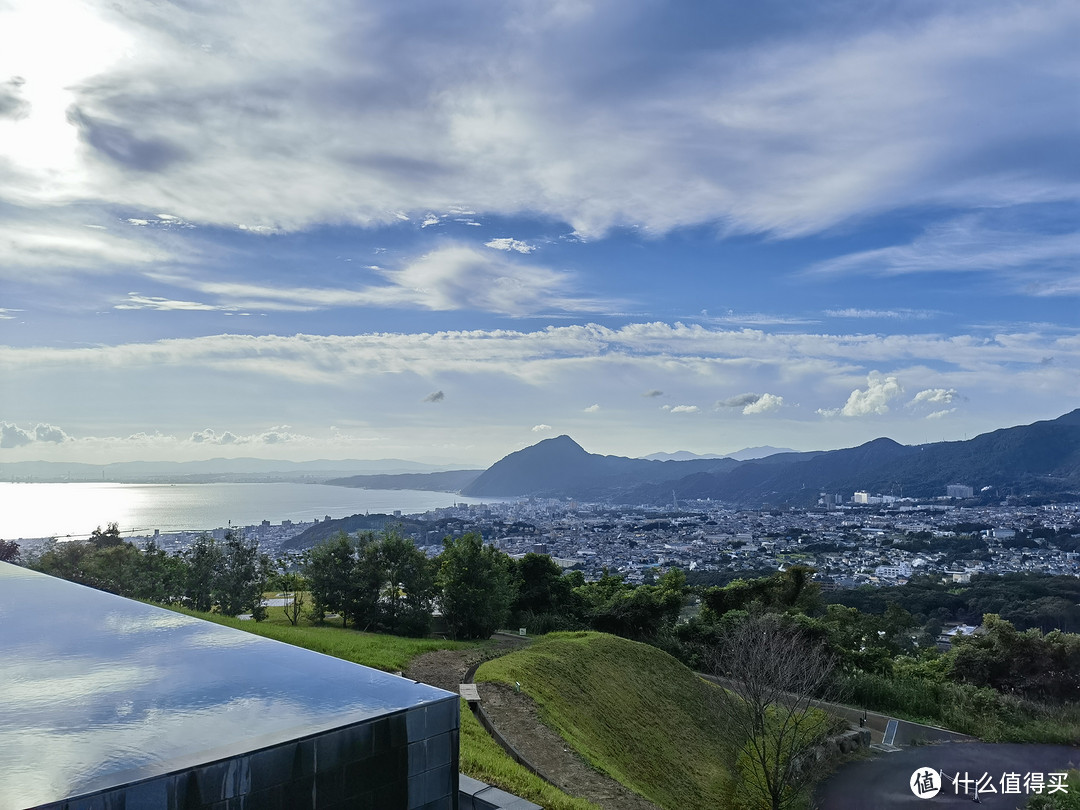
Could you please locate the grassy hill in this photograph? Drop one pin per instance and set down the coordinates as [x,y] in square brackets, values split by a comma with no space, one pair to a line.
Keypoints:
[632,711]
[480,756]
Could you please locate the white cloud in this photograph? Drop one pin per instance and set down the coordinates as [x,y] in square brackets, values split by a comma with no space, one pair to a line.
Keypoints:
[453,277]
[882,314]
[13,436]
[506,243]
[45,244]
[940,414]
[680,408]
[880,390]
[279,434]
[788,133]
[136,301]
[208,436]
[1038,263]
[934,396]
[708,357]
[541,428]
[766,403]
[594,408]
[499,374]
[50,433]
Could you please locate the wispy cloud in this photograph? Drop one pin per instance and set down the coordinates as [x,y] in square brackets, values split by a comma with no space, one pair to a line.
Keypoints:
[1034,262]
[789,135]
[883,314]
[453,277]
[136,301]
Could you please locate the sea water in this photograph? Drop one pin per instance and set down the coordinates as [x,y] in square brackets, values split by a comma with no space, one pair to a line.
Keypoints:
[76,509]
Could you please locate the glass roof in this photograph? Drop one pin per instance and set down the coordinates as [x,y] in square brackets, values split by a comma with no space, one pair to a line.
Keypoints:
[99,690]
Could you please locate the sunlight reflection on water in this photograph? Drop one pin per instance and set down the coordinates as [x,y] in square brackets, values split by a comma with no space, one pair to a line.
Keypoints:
[62,510]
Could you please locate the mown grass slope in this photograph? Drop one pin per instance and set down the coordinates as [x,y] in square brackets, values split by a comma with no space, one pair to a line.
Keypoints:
[632,711]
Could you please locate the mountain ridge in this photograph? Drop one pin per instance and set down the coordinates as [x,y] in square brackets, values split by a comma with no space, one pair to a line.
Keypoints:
[1040,458]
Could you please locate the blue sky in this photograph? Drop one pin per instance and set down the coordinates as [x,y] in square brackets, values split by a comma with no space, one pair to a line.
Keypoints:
[443,231]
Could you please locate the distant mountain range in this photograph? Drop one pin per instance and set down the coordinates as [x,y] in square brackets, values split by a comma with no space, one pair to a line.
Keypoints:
[1038,459]
[212,469]
[451,481]
[738,455]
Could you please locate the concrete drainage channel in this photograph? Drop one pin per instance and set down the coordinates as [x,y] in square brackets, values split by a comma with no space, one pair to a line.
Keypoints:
[473,794]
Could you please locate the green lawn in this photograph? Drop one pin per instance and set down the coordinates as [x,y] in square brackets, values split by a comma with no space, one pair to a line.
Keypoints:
[388,653]
[632,711]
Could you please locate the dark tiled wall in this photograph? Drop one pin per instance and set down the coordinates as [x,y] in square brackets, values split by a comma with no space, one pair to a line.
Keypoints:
[475,795]
[403,761]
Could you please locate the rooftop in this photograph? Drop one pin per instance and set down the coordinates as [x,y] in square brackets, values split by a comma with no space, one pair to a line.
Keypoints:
[101,691]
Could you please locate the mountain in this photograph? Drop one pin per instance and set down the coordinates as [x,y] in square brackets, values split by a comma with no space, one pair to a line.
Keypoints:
[449,481]
[757,452]
[738,455]
[679,455]
[210,469]
[561,467]
[1038,459]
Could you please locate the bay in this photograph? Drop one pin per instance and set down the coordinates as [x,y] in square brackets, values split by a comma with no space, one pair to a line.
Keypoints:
[30,510]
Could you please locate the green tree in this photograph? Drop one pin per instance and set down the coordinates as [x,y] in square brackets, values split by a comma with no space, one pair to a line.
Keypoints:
[108,538]
[9,551]
[1023,663]
[329,569]
[291,583]
[240,580]
[68,559]
[546,599]
[408,585]
[203,558]
[113,567]
[478,587]
[159,576]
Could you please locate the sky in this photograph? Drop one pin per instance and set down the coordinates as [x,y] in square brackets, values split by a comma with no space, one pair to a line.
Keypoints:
[445,231]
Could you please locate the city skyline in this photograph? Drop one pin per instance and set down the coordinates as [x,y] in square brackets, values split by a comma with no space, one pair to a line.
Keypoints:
[445,232]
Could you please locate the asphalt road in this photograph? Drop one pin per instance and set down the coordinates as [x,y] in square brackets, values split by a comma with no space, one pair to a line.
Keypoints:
[883,781]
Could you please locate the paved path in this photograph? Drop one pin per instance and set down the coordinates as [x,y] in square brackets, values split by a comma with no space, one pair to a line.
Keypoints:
[906,731]
[883,781]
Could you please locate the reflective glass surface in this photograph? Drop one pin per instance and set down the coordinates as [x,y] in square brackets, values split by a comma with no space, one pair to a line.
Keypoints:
[97,690]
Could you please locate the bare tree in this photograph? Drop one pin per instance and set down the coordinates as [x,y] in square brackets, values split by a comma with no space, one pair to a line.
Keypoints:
[773,675]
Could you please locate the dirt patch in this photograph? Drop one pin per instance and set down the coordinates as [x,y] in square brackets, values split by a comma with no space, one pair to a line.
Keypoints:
[446,668]
[516,717]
